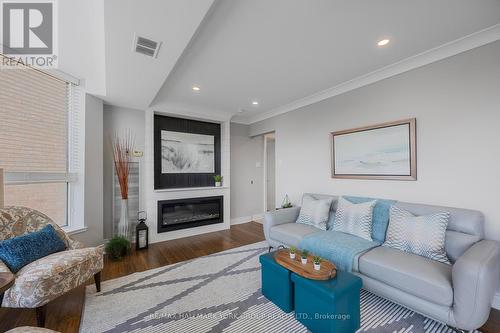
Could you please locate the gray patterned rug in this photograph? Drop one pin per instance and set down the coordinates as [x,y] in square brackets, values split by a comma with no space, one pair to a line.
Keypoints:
[218,293]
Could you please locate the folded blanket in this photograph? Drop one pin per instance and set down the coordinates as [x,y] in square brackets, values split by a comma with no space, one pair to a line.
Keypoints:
[337,247]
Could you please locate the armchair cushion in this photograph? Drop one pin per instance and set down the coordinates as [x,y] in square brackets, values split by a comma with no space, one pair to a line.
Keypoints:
[46,279]
[19,251]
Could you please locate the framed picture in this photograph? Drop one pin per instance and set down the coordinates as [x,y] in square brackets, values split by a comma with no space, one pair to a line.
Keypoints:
[384,151]
[187,152]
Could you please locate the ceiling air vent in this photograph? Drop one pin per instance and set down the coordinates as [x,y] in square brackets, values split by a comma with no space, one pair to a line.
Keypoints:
[146,46]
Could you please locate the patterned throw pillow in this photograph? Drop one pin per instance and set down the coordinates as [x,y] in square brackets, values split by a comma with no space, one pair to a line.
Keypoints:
[421,235]
[314,211]
[354,219]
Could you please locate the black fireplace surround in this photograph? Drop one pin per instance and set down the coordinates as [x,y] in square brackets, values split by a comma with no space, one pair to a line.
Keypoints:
[189,213]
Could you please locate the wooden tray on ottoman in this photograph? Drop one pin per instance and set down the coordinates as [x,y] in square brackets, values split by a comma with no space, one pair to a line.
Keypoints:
[328,270]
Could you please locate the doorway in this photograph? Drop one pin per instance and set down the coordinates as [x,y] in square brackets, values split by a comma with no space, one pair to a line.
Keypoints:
[269,172]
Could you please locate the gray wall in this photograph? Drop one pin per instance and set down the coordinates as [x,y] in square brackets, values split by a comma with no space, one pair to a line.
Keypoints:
[116,120]
[457,105]
[93,173]
[247,199]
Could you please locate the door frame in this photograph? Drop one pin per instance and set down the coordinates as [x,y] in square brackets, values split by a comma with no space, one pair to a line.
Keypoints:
[264,166]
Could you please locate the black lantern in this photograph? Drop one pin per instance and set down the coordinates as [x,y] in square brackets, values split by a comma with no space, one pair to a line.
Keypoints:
[141,232]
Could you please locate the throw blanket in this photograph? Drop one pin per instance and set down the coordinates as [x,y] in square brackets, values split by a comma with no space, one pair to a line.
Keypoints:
[337,247]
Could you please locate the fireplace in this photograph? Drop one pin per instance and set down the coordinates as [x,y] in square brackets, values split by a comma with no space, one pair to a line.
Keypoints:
[189,213]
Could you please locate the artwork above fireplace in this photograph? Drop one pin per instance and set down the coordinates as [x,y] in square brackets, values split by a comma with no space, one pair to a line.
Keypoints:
[189,213]
[187,153]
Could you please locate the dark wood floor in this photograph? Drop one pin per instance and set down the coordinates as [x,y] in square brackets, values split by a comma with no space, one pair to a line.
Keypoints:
[64,314]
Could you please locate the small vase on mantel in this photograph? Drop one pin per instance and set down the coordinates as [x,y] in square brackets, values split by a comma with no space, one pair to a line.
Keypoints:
[123,224]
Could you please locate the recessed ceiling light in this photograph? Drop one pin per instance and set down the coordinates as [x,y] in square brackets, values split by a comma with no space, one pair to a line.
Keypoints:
[383,42]
[255,103]
[196,88]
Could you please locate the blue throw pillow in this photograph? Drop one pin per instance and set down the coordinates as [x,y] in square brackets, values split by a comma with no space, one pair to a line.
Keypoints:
[19,251]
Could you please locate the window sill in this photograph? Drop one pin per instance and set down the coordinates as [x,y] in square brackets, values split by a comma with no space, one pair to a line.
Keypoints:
[75,230]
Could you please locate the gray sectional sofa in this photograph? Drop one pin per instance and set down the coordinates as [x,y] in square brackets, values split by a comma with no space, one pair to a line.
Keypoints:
[459,295]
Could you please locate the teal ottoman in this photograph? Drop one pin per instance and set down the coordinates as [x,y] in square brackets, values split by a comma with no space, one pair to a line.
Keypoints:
[328,306]
[276,283]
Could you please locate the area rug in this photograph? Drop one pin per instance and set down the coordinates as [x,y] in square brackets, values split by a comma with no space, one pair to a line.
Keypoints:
[219,293]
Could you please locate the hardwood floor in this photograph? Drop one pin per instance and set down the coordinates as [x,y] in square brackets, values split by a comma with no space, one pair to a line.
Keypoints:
[64,313]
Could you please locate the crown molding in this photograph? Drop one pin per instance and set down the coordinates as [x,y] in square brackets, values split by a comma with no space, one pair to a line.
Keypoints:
[240,119]
[449,49]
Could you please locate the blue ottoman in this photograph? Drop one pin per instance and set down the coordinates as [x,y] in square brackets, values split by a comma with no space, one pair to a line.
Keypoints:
[328,306]
[276,283]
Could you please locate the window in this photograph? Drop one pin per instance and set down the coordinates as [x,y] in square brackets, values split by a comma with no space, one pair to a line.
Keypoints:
[39,142]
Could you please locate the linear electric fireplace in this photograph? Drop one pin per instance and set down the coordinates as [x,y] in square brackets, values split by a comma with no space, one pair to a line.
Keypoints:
[189,213]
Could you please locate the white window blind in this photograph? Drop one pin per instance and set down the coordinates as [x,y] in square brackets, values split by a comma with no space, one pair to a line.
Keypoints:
[75,128]
[39,140]
[33,129]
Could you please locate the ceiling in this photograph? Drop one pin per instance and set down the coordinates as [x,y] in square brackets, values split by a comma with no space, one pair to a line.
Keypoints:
[275,52]
[133,79]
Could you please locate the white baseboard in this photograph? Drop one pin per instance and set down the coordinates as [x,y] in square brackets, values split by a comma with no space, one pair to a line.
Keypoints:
[245,219]
[258,218]
[240,220]
[496,301]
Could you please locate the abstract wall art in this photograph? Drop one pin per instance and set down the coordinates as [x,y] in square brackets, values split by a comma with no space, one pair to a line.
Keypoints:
[187,153]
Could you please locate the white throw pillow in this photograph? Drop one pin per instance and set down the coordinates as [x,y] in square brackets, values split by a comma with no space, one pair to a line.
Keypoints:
[421,235]
[314,211]
[354,219]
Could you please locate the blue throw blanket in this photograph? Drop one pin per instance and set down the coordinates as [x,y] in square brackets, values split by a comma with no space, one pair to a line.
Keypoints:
[337,247]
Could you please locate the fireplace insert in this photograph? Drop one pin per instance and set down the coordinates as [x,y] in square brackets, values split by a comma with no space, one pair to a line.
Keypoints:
[189,213]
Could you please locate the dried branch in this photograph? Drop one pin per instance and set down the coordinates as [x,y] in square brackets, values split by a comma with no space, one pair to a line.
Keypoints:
[122,149]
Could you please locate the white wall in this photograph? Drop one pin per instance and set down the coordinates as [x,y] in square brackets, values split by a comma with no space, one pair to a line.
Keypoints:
[457,105]
[247,182]
[93,197]
[117,120]
[81,42]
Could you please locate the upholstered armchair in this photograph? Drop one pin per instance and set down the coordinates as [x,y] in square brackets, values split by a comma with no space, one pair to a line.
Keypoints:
[43,280]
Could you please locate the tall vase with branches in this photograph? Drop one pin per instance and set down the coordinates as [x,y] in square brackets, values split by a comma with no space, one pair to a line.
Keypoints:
[122,149]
